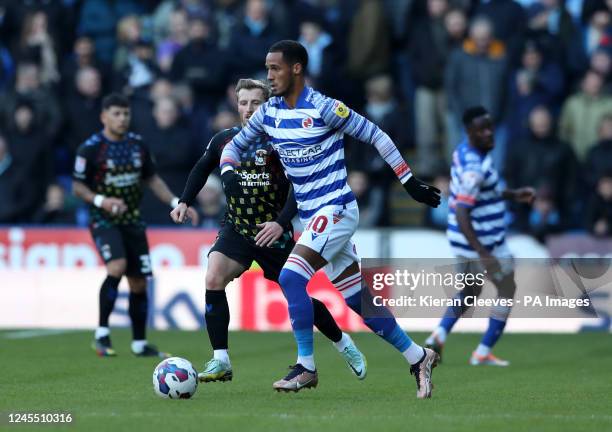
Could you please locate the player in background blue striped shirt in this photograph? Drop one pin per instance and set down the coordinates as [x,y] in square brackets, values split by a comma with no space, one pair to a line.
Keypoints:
[307,128]
[477,231]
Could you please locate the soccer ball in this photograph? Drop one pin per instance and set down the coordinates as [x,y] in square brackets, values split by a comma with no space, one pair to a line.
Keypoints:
[175,378]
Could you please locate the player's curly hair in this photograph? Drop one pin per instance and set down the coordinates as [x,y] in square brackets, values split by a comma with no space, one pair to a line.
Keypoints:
[115,100]
[251,84]
[471,113]
[293,52]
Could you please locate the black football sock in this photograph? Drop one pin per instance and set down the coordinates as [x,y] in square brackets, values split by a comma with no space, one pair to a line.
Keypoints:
[108,295]
[139,304]
[217,318]
[324,321]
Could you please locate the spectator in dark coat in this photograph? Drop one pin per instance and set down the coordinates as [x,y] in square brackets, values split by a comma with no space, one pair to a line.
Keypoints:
[98,19]
[551,163]
[509,22]
[82,108]
[202,65]
[430,46]
[28,86]
[173,151]
[140,70]
[552,26]
[142,104]
[476,75]
[83,55]
[31,153]
[13,200]
[599,211]
[536,82]
[383,109]
[323,61]
[544,216]
[7,68]
[251,40]
[596,34]
[599,158]
[37,46]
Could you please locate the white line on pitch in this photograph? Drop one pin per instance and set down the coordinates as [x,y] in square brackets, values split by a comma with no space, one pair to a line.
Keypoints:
[26,334]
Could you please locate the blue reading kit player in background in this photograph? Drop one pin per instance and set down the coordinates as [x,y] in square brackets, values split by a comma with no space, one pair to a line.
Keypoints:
[477,231]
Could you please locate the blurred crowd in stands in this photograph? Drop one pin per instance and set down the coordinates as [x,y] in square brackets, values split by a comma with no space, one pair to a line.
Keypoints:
[542,67]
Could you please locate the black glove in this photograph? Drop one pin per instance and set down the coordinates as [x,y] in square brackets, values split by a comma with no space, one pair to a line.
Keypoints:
[422,192]
[231,183]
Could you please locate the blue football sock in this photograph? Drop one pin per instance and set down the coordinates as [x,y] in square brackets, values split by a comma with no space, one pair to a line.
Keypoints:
[452,314]
[493,333]
[300,309]
[384,325]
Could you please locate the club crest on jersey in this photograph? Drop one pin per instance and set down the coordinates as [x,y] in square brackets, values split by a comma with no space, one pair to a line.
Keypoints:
[277,122]
[260,157]
[341,110]
[307,123]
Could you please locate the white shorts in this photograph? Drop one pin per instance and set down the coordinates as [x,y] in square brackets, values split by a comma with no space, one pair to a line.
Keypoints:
[501,252]
[329,232]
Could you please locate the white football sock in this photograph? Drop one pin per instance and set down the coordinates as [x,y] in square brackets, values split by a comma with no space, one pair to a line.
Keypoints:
[138,346]
[414,353]
[483,350]
[344,342]
[307,362]
[221,355]
[101,332]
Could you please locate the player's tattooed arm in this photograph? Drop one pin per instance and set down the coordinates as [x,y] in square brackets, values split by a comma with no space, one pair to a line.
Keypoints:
[112,205]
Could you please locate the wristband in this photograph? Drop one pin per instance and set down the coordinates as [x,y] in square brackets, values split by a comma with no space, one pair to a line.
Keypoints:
[226,168]
[98,200]
[175,202]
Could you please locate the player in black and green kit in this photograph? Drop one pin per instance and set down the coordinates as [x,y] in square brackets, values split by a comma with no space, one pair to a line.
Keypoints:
[257,228]
[109,172]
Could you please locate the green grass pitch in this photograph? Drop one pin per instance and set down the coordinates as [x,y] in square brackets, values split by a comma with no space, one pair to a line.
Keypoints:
[555,383]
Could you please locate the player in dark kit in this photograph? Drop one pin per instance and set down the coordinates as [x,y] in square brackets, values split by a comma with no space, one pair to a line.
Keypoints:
[109,172]
[257,228]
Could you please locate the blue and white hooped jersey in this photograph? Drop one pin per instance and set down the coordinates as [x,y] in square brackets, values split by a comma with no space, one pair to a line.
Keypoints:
[475,185]
[309,141]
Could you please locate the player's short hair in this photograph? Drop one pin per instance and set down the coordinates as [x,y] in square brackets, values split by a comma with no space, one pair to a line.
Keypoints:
[115,99]
[293,52]
[472,113]
[252,84]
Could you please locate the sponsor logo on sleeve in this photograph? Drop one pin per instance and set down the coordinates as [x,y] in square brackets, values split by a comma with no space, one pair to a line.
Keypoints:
[341,110]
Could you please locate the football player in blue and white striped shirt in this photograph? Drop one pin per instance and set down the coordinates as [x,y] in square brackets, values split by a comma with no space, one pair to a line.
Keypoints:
[307,128]
[477,231]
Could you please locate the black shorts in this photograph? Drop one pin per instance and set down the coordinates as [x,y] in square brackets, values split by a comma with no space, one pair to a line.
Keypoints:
[237,247]
[124,241]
